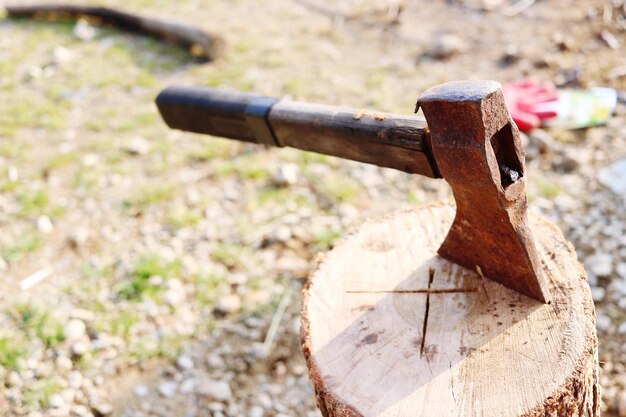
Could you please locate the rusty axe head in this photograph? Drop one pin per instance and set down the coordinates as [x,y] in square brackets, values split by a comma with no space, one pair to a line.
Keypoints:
[478,151]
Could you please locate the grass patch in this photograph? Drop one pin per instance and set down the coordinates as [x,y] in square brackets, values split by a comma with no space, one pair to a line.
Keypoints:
[38,322]
[28,242]
[150,195]
[33,201]
[180,217]
[10,352]
[324,239]
[39,392]
[548,190]
[234,256]
[339,188]
[139,284]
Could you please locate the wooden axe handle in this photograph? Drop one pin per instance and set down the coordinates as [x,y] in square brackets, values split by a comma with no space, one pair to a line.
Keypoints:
[387,140]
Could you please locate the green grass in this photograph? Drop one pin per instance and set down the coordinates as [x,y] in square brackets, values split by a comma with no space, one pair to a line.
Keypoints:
[325,239]
[28,242]
[33,201]
[234,256]
[38,392]
[548,190]
[339,188]
[10,352]
[138,285]
[180,217]
[38,322]
[149,195]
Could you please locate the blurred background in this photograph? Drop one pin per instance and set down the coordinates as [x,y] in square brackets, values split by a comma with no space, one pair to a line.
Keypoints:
[149,272]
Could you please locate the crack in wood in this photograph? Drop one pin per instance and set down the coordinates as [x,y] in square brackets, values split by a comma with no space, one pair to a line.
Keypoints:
[420,291]
[431,277]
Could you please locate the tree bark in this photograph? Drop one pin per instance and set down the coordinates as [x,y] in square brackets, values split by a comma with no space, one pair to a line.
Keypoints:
[391,329]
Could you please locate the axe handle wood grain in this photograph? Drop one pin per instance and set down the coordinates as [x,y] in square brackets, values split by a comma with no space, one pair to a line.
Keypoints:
[383,139]
[201,45]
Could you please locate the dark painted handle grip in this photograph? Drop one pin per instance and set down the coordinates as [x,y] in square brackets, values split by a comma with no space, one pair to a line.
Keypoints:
[229,114]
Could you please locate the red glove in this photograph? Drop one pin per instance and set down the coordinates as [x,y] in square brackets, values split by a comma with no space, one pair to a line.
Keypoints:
[525,98]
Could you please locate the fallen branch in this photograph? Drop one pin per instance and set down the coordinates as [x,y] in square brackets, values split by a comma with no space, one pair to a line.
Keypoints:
[201,45]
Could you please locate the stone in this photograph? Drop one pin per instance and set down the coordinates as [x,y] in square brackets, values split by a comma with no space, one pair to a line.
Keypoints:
[44,224]
[286,174]
[184,363]
[613,177]
[215,390]
[215,361]
[75,380]
[167,388]
[445,46]
[597,293]
[187,386]
[256,411]
[84,31]
[620,403]
[603,322]
[137,146]
[621,270]
[74,329]
[141,391]
[280,234]
[80,348]
[600,264]
[56,401]
[61,55]
[102,409]
[228,304]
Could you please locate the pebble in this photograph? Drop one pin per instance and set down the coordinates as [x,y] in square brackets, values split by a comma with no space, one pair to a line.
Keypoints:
[44,224]
[286,174]
[600,264]
[141,391]
[80,348]
[74,330]
[215,361]
[445,46]
[75,380]
[84,31]
[597,293]
[621,270]
[256,411]
[184,363]
[216,390]
[620,402]
[280,234]
[613,177]
[603,322]
[80,411]
[137,146]
[102,409]
[61,55]
[228,304]
[56,401]
[187,386]
[168,388]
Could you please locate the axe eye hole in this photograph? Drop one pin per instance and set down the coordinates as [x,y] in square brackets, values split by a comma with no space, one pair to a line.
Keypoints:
[509,163]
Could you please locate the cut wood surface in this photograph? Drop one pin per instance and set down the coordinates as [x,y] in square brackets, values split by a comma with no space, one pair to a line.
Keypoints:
[391,329]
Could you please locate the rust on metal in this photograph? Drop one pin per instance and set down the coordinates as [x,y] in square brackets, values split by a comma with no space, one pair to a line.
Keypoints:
[479,152]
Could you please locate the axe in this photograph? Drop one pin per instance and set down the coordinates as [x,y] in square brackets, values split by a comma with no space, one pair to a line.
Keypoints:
[468,139]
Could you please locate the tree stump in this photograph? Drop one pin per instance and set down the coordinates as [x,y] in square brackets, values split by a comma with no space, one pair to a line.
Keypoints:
[389,328]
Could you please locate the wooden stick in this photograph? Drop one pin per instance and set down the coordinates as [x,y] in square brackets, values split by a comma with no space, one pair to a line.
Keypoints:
[404,348]
[202,45]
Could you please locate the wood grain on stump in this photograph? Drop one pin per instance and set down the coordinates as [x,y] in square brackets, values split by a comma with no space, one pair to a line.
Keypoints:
[391,329]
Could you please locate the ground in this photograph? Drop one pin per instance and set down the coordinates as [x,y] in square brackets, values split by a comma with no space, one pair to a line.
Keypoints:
[142,268]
